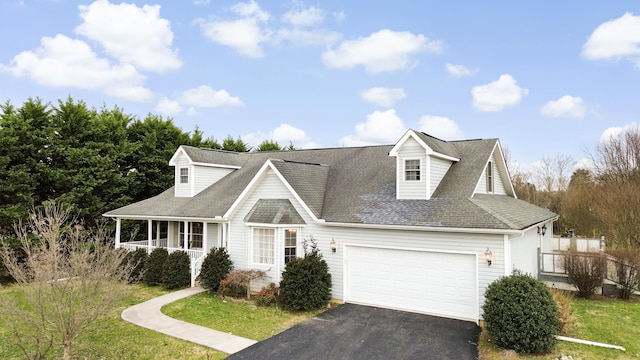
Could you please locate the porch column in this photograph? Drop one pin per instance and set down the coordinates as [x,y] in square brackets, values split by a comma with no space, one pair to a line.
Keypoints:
[158,232]
[204,238]
[150,235]
[186,235]
[118,231]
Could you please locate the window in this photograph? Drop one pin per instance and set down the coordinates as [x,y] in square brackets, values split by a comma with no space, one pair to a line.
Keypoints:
[489,172]
[196,235]
[264,245]
[412,170]
[184,175]
[290,244]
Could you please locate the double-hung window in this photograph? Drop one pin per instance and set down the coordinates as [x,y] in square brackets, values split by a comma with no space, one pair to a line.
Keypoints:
[412,170]
[264,243]
[184,175]
[290,244]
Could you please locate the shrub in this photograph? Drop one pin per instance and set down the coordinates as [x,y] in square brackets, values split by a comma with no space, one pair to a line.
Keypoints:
[137,259]
[215,267]
[238,282]
[520,314]
[177,271]
[627,271]
[585,270]
[155,266]
[267,296]
[306,282]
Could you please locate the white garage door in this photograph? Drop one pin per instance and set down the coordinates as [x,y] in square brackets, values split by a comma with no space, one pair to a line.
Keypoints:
[443,284]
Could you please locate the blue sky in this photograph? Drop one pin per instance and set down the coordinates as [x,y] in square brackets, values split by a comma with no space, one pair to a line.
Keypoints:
[545,77]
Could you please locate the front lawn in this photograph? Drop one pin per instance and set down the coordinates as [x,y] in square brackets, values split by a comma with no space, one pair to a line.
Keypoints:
[113,338]
[238,317]
[602,319]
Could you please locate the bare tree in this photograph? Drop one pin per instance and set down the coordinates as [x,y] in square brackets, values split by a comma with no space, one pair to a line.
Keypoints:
[553,172]
[69,278]
[618,157]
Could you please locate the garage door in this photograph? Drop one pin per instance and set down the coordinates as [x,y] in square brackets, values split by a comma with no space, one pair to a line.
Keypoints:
[443,284]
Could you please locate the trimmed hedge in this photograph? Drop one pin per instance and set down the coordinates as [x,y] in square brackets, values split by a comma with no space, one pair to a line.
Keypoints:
[155,266]
[138,260]
[520,314]
[306,283]
[177,272]
[215,267]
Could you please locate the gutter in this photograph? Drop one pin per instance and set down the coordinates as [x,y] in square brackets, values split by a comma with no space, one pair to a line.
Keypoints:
[426,228]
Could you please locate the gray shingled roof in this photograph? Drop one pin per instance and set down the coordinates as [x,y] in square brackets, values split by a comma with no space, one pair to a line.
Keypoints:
[214,156]
[274,211]
[437,145]
[357,185]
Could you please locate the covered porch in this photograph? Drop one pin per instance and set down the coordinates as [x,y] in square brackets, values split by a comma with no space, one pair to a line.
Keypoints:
[195,238]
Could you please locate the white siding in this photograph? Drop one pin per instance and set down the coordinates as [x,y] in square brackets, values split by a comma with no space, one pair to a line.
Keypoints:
[183,190]
[412,189]
[522,250]
[212,237]
[438,168]
[204,176]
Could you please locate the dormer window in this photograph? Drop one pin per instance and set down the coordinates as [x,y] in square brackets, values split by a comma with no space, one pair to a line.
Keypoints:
[184,175]
[489,173]
[412,170]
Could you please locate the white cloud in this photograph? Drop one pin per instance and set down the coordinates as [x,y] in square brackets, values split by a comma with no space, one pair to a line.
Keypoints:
[169,107]
[381,127]
[566,106]
[615,131]
[141,37]
[381,51]
[202,2]
[498,94]
[440,127]
[312,16]
[382,96]
[283,135]
[615,39]
[459,71]
[245,35]
[205,96]
[62,61]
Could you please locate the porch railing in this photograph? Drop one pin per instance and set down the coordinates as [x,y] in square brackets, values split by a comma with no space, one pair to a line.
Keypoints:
[133,245]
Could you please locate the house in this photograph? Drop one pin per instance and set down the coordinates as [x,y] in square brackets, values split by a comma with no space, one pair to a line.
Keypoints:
[423,225]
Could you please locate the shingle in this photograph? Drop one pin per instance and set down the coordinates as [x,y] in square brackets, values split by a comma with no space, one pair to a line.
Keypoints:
[274,211]
[357,185]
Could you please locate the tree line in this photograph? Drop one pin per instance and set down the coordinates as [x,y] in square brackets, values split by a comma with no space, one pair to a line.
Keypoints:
[90,160]
[601,200]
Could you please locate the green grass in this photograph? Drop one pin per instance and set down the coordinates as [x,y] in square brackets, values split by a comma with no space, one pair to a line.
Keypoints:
[602,320]
[238,317]
[112,338]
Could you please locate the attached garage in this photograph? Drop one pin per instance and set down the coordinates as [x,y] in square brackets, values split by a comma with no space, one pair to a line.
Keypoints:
[430,282]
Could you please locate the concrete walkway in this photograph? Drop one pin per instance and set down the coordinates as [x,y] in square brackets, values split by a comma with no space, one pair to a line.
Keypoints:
[148,315]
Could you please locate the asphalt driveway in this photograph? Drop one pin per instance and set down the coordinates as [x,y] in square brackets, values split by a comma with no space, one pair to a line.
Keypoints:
[362,332]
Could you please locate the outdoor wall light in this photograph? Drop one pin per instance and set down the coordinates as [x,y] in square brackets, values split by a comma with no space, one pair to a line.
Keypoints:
[542,230]
[333,245]
[489,255]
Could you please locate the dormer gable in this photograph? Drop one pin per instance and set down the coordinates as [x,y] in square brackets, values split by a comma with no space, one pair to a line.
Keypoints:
[191,177]
[421,163]
[495,177]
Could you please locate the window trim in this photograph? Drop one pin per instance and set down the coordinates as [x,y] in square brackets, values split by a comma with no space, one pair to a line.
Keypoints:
[414,171]
[184,175]
[490,178]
